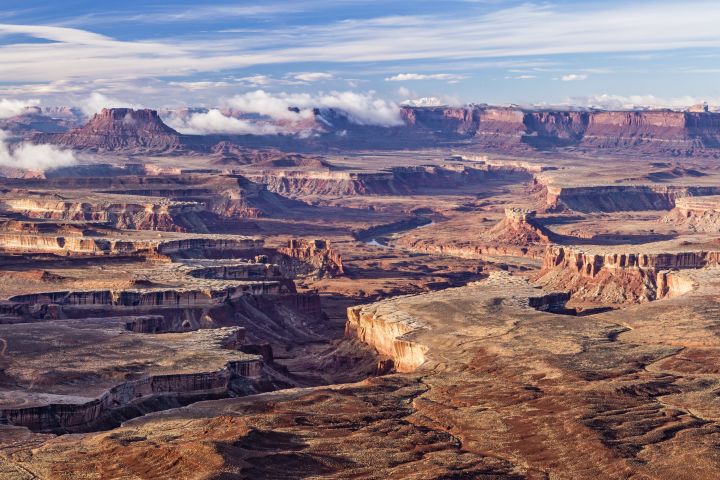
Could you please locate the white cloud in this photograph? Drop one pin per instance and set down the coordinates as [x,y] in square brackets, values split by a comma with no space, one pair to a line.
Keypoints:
[214,121]
[313,76]
[257,80]
[528,30]
[404,77]
[97,101]
[520,77]
[200,85]
[444,101]
[11,108]
[572,77]
[404,92]
[629,102]
[361,108]
[28,156]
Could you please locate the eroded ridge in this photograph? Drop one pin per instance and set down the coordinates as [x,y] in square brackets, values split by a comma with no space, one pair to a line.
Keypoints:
[621,277]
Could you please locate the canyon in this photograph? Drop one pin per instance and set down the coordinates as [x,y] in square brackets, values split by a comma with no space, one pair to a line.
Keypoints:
[465,295]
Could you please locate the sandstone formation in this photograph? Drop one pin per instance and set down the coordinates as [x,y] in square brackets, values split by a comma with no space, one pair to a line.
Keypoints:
[646,132]
[394,181]
[119,129]
[620,198]
[671,133]
[696,214]
[115,211]
[617,278]
[391,302]
[72,411]
[316,257]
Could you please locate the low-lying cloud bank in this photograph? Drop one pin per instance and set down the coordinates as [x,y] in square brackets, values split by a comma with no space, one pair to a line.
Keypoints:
[291,113]
[361,108]
[12,108]
[28,156]
[630,102]
[214,121]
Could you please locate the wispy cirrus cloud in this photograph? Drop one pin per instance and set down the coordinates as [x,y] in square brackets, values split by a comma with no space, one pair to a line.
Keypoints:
[573,77]
[405,77]
[313,76]
[526,31]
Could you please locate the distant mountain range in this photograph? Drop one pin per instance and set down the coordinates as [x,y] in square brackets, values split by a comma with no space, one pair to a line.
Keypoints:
[487,128]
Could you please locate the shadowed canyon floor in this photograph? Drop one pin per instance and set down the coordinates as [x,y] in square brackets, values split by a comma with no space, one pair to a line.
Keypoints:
[419,314]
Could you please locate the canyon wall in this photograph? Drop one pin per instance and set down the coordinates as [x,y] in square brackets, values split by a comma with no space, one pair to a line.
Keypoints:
[70,245]
[78,417]
[388,333]
[618,278]
[174,298]
[394,181]
[618,198]
[666,132]
[159,214]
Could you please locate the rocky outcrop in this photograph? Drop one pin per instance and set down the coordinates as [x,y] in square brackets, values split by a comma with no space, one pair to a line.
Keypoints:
[309,257]
[475,250]
[590,264]
[519,227]
[510,129]
[225,196]
[617,278]
[518,234]
[696,214]
[390,333]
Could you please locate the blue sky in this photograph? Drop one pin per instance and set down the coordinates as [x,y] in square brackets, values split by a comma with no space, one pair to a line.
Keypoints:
[174,53]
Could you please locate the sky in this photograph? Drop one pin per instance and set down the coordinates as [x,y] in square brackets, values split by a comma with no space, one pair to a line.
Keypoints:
[369,54]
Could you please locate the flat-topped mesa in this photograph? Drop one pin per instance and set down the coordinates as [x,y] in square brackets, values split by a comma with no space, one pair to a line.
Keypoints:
[393,181]
[248,271]
[211,247]
[119,129]
[617,198]
[696,214]
[313,257]
[618,278]
[104,402]
[658,132]
[429,330]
